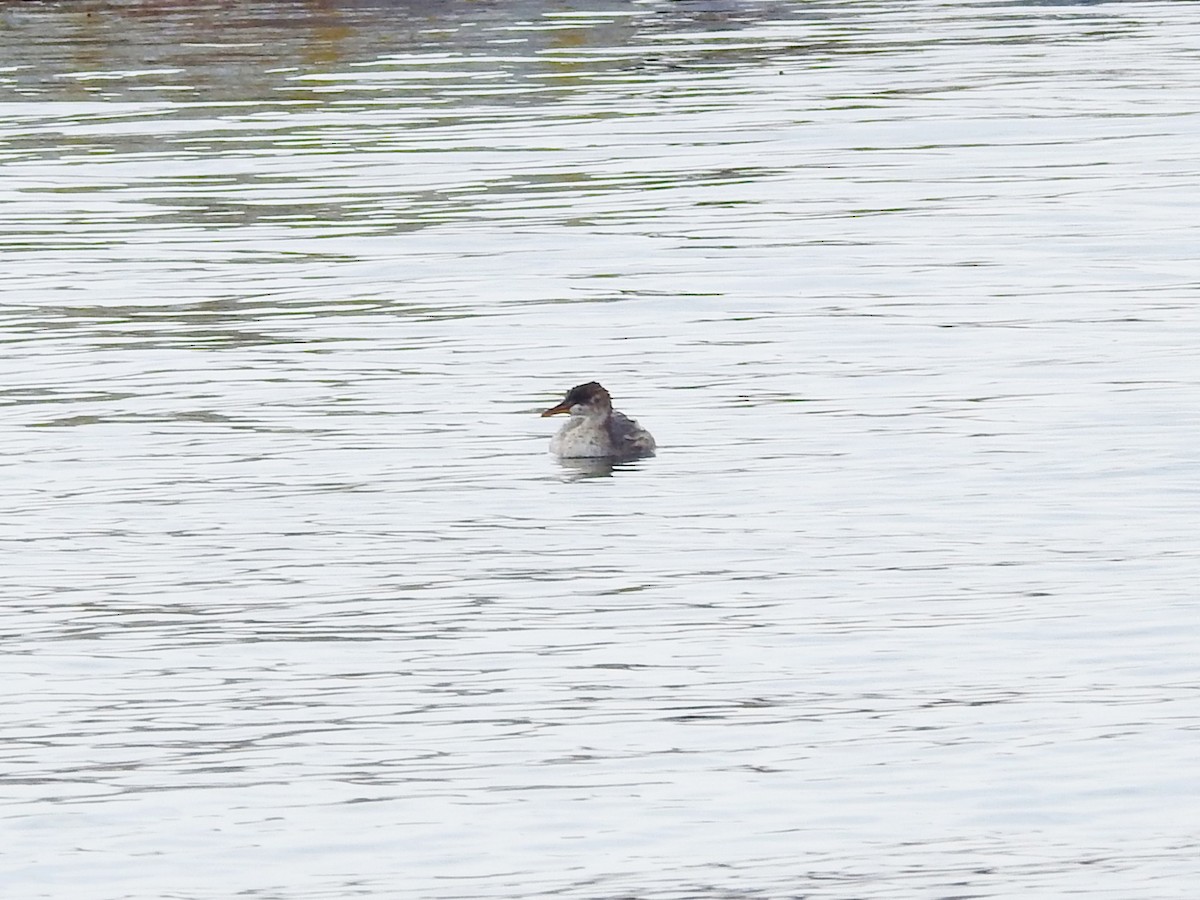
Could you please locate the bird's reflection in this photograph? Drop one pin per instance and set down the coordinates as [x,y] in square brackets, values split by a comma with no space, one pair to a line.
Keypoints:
[579,468]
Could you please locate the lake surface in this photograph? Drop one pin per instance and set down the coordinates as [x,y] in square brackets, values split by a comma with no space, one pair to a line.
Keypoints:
[297,605]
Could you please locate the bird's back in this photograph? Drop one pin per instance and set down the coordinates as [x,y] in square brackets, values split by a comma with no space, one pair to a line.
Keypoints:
[629,439]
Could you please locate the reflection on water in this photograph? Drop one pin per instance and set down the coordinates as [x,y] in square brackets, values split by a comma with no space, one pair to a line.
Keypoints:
[298,604]
[598,467]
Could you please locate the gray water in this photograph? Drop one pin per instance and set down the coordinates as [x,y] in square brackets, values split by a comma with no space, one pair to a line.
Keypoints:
[295,603]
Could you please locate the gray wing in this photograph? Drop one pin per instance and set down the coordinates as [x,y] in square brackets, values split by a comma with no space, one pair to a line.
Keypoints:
[628,437]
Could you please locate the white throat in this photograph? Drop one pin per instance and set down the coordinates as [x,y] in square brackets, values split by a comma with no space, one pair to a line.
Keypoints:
[588,411]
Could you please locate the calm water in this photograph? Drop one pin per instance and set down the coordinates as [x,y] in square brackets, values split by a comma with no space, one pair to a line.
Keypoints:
[295,603]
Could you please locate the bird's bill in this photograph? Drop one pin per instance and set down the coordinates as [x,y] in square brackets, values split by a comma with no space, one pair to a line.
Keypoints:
[563,407]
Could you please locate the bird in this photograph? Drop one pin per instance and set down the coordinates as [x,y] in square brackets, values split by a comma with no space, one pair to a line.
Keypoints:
[596,430]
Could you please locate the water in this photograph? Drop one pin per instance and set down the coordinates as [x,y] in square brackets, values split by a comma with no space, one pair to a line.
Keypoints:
[297,606]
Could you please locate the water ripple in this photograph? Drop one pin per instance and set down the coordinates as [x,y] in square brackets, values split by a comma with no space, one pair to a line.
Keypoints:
[297,604]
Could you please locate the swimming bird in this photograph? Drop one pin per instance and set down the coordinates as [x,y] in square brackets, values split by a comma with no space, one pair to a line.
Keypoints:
[595,429]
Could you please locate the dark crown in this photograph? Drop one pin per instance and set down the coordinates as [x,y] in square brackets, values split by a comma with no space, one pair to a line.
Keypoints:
[592,392]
